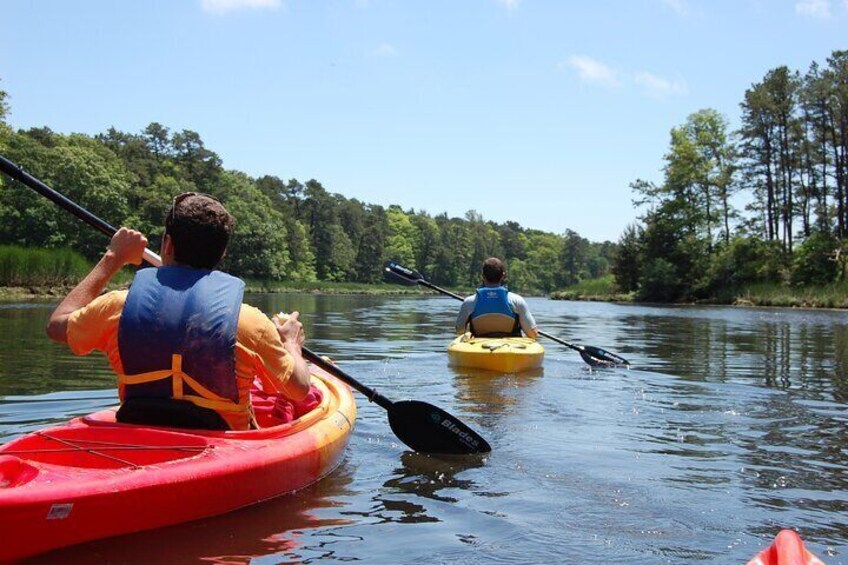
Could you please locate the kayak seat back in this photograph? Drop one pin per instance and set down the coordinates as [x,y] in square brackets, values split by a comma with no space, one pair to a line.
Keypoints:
[170,413]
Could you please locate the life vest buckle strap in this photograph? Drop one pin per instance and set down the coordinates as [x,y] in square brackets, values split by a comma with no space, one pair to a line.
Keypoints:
[177,376]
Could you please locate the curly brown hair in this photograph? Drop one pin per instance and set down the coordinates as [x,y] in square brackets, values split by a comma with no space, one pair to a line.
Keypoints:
[200,229]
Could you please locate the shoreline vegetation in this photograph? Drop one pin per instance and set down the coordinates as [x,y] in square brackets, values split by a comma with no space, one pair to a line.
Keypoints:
[786,158]
[37,274]
[778,295]
[32,273]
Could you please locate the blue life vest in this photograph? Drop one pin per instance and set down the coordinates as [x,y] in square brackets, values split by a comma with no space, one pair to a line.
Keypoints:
[177,337]
[493,315]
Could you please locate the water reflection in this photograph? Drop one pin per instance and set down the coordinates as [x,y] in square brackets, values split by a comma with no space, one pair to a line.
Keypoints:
[489,392]
[421,477]
[782,349]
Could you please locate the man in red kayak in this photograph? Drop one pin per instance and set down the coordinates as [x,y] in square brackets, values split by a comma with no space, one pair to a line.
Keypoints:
[493,311]
[185,349]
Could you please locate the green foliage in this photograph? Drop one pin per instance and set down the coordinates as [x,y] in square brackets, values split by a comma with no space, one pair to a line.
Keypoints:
[626,263]
[542,258]
[285,230]
[302,267]
[40,267]
[520,278]
[814,260]
[340,266]
[573,260]
[401,237]
[369,255]
[834,295]
[660,282]
[745,261]
[789,156]
[84,170]
[599,287]
[4,106]
[258,247]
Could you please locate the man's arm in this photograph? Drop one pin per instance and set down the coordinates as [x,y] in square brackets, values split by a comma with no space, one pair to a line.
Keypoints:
[525,318]
[126,247]
[292,336]
[465,312]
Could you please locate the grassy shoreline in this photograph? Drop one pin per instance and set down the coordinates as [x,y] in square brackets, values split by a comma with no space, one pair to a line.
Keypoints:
[833,296]
[36,274]
[829,297]
[35,292]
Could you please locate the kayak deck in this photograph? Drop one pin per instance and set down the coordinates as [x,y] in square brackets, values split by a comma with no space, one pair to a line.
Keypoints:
[93,477]
[504,354]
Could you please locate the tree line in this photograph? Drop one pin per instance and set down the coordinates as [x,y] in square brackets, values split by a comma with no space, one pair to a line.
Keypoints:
[286,230]
[767,202]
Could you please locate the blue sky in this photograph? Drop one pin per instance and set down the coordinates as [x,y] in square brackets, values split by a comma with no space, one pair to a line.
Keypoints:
[536,111]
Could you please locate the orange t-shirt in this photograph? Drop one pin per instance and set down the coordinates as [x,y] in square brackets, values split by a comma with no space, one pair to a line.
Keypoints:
[259,350]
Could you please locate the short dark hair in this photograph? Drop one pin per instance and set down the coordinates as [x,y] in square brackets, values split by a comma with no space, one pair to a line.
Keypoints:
[200,229]
[493,270]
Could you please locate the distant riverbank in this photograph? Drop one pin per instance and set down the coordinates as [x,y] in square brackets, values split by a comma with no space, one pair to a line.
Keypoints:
[49,275]
[322,287]
[771,294]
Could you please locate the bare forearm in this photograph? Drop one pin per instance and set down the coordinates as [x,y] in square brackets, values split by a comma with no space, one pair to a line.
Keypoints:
[300,378]
[87,290]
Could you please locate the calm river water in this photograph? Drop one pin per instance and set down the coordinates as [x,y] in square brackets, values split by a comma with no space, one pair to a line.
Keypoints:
[730,426]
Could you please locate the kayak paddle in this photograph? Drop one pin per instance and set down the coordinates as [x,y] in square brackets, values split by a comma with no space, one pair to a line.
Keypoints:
[421,426]
[594,356]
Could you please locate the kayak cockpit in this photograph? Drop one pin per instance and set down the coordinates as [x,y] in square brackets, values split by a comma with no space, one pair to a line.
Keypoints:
[104,447]
[15,471]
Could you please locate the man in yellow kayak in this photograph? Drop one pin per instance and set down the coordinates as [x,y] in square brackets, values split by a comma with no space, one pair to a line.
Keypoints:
[185,349]
[493,311]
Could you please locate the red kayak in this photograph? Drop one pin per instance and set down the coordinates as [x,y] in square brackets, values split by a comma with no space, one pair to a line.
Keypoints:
[787,549]
[93,478]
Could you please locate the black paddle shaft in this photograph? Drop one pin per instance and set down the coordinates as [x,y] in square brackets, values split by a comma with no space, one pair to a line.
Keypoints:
[420,425]
[18,173]
[369,392]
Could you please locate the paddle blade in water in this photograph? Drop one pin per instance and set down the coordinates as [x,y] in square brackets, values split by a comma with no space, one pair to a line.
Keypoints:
[429,429]
[597,357]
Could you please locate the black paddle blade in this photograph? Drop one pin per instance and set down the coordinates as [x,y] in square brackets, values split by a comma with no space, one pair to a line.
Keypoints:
[597,357]
[429,429]
[398,273]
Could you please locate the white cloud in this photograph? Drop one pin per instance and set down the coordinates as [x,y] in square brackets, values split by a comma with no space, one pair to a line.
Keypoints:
[224,6]
[659,87]
[813,8]
[384,50]
[680,7]
[510,5]
[592,70]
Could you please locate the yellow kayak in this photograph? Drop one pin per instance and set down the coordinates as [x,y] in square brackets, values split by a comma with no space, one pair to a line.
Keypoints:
[504,354]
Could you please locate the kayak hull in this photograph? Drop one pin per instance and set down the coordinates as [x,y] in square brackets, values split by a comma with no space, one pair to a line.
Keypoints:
[787,549]
[503,354]
[93,478]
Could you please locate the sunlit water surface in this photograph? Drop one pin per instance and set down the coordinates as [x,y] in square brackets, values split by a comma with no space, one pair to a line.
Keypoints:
[730,426]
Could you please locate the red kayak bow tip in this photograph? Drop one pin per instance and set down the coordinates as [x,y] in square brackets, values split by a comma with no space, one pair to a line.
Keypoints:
[787,549]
